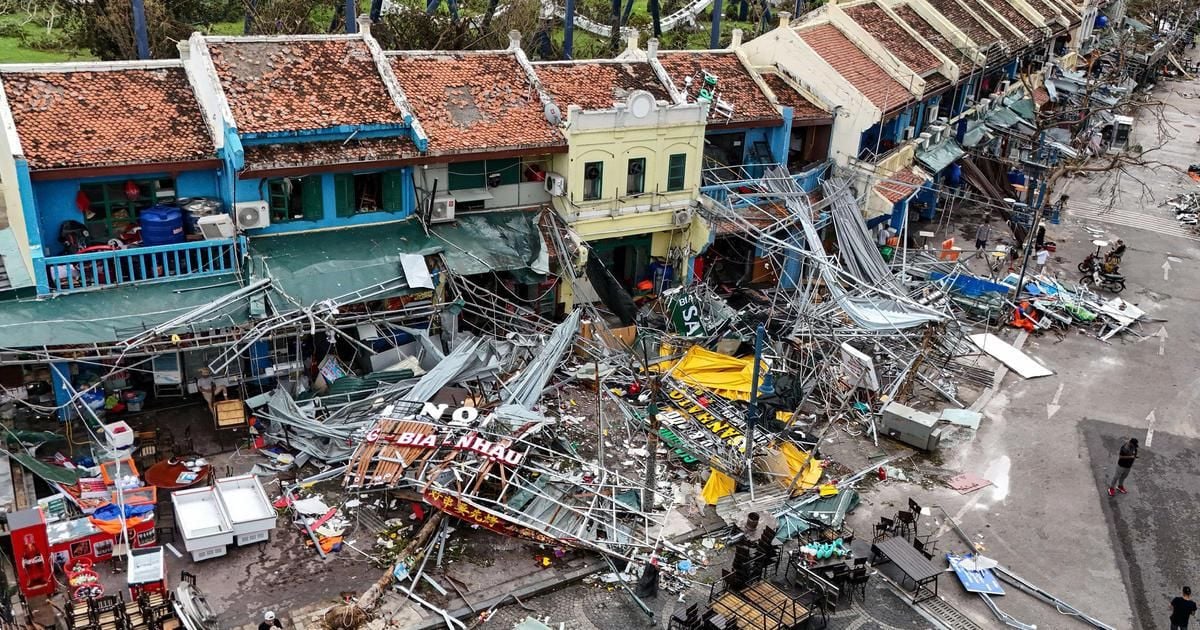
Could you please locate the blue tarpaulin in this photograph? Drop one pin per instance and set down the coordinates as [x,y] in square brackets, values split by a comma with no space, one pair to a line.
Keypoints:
[111,512]
[971,286]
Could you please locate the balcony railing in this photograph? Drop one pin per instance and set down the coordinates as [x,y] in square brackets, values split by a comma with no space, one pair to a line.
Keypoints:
[721,180]
[118,267]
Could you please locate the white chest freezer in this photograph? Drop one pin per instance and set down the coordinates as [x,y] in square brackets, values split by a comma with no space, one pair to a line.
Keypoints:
[248,508]
[203,522]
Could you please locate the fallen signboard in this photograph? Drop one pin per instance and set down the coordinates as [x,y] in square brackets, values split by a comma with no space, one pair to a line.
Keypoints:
[979,580]
[1010,356]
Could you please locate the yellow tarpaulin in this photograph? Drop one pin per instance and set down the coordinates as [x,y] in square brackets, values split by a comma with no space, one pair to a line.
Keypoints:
[719,485]
[726,376]
[798,460]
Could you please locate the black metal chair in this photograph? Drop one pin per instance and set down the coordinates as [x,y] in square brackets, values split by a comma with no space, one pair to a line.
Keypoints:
[860,562]
[913,506]
[921,547]
[907,523]
[884,528]
[858,582]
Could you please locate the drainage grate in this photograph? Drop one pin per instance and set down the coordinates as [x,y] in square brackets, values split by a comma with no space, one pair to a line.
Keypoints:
[948,615]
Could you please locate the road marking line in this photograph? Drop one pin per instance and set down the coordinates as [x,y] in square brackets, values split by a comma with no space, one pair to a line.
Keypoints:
[1150,428]
[1148,222]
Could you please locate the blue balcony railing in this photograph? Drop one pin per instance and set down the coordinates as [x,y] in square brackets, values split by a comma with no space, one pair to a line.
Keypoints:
[741,182]
[104,269]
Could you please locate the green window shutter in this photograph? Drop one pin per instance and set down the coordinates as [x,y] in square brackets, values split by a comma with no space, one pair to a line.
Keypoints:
[343,193]
[311,199]
[677,172]
[467,175]
[393,191]
[509,170]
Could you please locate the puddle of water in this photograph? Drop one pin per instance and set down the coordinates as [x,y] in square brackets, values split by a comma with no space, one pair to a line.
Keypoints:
[997,473]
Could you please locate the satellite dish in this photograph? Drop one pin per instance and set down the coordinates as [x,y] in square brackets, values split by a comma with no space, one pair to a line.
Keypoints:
[552,114]
[641,103]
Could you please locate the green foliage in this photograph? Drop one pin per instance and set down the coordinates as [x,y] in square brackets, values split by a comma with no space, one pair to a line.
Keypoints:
[106,28]
[54,41]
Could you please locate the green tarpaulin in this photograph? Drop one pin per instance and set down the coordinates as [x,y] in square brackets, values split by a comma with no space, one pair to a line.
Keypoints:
[315,266]
[46,471]
[110,315]
[940,156]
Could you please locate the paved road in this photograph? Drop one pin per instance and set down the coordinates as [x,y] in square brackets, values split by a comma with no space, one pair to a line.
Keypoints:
[1155,524]
[1046,443]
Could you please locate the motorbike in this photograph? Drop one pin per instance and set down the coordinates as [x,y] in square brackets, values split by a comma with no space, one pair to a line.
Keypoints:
[1100,279]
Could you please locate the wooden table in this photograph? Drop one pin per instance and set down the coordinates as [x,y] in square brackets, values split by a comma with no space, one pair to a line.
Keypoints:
[911,563]
[166,474]
[744,613]
[771,599]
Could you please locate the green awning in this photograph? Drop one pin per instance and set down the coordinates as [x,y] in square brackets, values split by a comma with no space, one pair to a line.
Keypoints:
[46,471]
[976,133]
[18,275]
[315,266]
[110,315]
[1140,27]
[1025,108]
[940,156]
[1001,118]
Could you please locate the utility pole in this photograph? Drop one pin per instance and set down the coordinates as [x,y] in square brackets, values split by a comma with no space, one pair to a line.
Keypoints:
[569,29]
[351,17]
[651,447]
[1035,169]
[752,412]
[714,38]
[140,33]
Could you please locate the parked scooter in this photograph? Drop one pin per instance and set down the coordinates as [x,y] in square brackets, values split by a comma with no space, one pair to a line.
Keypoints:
[1100,279]
[1095,258]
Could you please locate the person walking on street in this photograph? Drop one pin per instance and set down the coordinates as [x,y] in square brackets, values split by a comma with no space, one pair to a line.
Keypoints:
[1043,255]
[1182,609]
[1129,452]
[983,233]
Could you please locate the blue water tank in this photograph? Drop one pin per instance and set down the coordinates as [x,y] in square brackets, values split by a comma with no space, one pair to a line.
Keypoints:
[161,225]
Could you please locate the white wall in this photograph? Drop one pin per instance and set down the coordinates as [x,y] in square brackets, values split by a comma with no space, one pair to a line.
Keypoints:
[852,113]
[10,148]
[507,196]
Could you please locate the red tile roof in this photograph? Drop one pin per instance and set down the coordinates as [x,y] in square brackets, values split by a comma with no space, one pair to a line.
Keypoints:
[109,117]
[1041,96]
[1068,9]
[931,35]
[894,38]
[900,185]
[315,154]
[598,85]
[300,84]
[474,101]
[735,84]
[802,108]
[1049,12]
[965,22]
[855,66]
[1017,22]
[934,83]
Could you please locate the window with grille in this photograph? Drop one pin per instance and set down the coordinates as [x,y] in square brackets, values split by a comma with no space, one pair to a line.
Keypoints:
[115,206]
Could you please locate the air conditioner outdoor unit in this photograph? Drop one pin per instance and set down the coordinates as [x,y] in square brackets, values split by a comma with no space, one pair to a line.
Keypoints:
[443,209]
[908,132]
[683,217]
[252,214]
[216,226]
[555,184]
